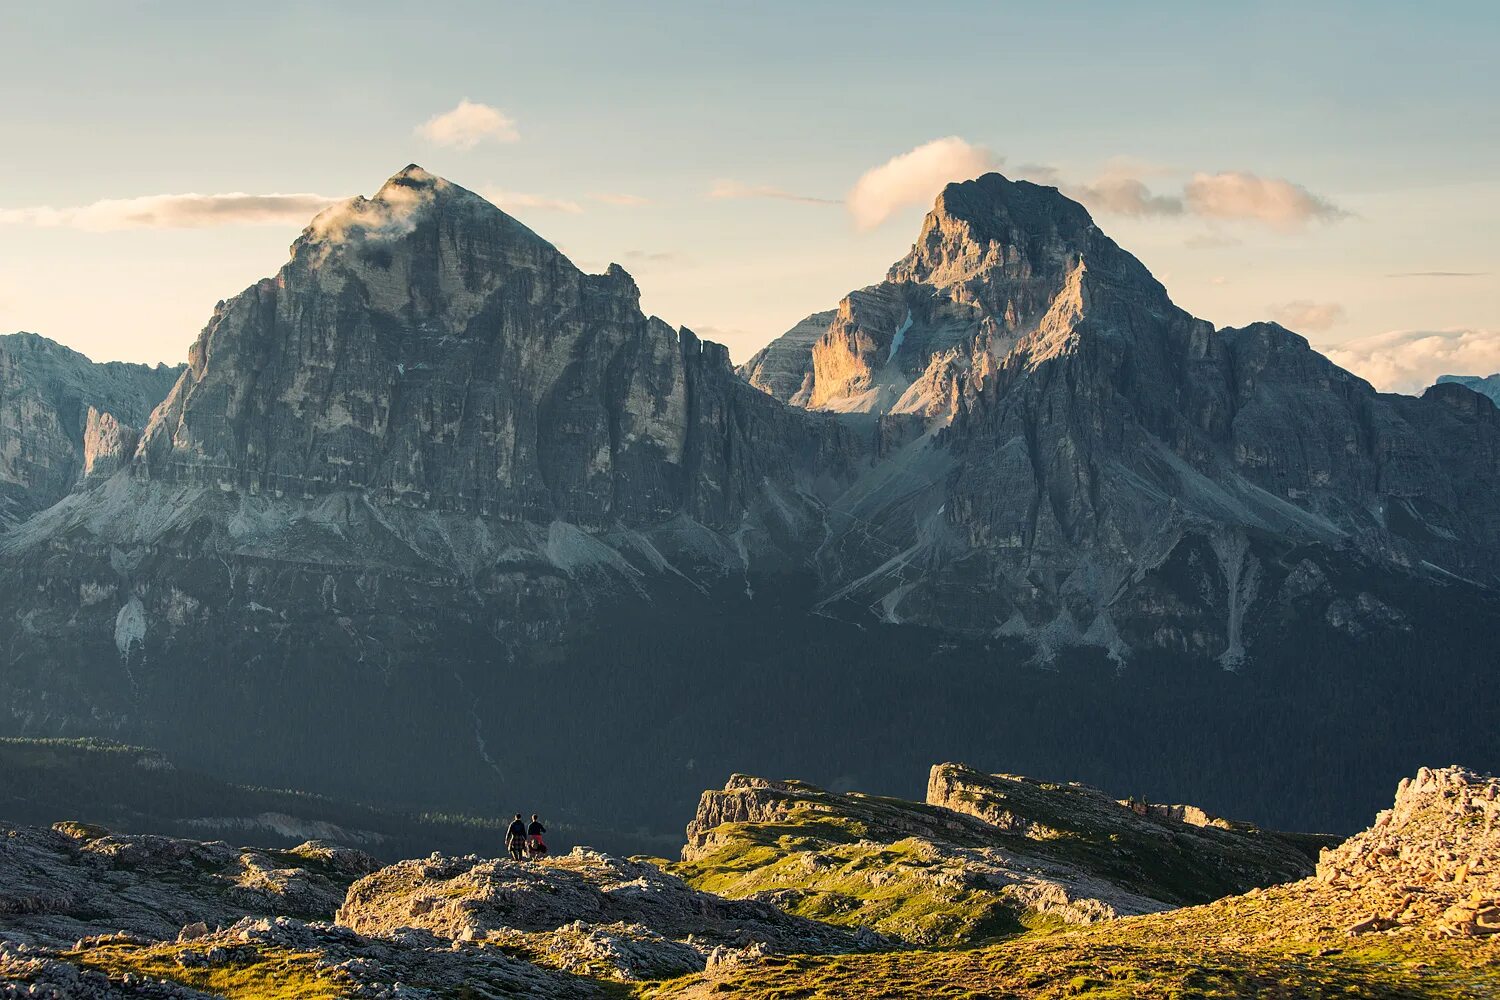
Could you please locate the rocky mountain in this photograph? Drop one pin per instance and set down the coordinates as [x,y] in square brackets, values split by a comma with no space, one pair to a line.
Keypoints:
[984,856]
[1406,909]
[1485,385]
[1093,466]
[63,417]
[433,518]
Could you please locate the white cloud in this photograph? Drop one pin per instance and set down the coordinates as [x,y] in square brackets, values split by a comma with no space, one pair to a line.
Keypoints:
[915,177]
[175,211]
[1411,360]
[469,124]
[1304,314]
[727,188]
[510,200]
[1237,195]
[621,200]
[1119,195]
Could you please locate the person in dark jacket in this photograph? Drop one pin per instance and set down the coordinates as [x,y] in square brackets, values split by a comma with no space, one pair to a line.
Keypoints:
[534,840]
[515,839]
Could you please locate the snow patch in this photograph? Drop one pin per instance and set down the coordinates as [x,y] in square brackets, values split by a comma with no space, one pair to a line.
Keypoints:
[130,627]
[899,338]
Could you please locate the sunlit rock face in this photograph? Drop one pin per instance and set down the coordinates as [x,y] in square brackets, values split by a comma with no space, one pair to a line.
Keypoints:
[1085,464]
[47,396]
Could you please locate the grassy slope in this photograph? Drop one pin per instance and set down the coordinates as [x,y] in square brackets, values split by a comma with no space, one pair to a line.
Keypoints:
[852,860]
[1244,947]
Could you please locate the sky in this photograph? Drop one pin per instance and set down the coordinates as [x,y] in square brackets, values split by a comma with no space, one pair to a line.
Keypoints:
[1332,166]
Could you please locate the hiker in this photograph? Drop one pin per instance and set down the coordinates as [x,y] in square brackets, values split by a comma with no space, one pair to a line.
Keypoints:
[515,839]
[534,842]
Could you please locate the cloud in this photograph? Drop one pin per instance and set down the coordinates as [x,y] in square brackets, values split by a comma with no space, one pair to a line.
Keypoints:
[510,200]
[1237,195]
[1411,360]
[915,177]
[469,124]
[175,211]
[1124,196]
[1439,274]
[1306,315]
[726,188]
[622,200]
[1233,196]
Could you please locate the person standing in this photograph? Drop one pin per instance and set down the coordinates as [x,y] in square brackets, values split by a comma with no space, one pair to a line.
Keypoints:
[515,839]
[534,837]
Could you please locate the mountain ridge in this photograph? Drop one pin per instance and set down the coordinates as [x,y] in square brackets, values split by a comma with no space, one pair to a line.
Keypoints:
[431,479]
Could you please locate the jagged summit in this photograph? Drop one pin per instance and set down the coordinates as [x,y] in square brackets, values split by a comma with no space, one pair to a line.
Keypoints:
[1001,269]
[418,204]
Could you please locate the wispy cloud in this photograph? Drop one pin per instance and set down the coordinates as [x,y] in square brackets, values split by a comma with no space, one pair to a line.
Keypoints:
[1304,314]
[1231,196]
[621,200]
[915,177]
[1439,274]
[1124,196]
[1241,196]
[1411,360]
[510,200]
[469,124]
[727,188]
[175,211]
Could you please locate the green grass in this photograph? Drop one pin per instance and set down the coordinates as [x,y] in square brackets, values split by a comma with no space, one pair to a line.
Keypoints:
[818,867]
[251,974]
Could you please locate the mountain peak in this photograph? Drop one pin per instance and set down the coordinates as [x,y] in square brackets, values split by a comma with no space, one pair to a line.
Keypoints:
[987,237]
[994,198]
[413,199]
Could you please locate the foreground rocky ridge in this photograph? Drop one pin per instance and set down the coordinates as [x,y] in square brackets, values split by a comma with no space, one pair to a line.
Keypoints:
[1406,909]
[985,855]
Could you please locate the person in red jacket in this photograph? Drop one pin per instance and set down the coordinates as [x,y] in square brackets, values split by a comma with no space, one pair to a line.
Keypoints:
[534,843]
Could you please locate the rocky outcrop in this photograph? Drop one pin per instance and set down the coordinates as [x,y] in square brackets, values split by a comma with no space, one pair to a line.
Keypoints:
[984,855]
[74,880]
[1405,909]
[1430,863]
[585,911]
[48,398]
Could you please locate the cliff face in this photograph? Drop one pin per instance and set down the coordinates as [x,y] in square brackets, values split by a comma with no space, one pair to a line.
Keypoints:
[1082,463]
[426,348]
[48,399]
